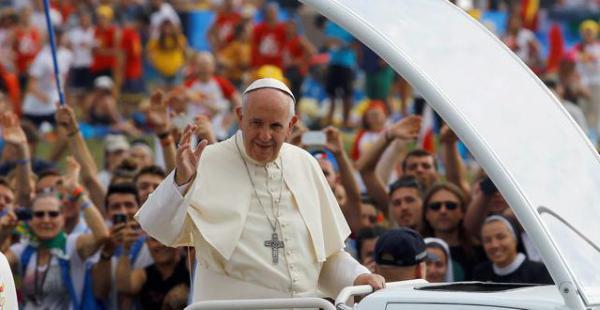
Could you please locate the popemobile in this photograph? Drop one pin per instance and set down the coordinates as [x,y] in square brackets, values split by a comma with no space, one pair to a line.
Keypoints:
[540,160]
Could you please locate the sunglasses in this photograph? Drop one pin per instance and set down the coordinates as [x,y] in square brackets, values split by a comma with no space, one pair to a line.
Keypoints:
[42,214]
[436,206]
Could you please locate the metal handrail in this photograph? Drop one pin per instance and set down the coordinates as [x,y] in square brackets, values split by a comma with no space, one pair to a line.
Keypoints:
[275,303]
[360,290]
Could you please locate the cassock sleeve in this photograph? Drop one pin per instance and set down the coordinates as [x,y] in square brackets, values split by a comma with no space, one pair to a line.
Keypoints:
[164,215]
[339,271]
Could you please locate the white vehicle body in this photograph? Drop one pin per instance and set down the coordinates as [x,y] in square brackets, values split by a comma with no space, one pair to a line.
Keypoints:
[540,160]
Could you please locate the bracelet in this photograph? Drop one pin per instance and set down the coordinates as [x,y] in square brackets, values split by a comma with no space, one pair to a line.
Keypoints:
[76,194]
[166,142]
[163,135]
[22,161]
[84,205]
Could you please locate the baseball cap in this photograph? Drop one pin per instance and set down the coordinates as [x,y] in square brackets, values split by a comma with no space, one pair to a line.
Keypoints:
[113,143]
[400,247]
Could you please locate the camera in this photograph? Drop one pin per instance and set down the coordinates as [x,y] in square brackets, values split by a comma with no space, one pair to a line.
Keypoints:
[119,218]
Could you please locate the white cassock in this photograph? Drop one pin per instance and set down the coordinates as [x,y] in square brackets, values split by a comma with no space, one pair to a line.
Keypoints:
[222,218]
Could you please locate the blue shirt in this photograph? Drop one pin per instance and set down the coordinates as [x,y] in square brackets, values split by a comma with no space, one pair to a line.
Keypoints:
[342,55]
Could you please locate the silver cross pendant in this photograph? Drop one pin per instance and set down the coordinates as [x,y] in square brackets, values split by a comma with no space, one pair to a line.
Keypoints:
[275,244]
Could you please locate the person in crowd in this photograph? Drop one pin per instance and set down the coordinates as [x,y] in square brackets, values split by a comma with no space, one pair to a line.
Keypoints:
[379,76]
[39,104]
[372,127]
[147,180]
[444,208]
[268,39]
[365,245]
[222,31]
[107,40]
[81,40]
[52,263]
[400,255]
[141,153]
[247,161]
[297,53]
[27,42]
[116,149]
[406,203]
[439,261]
[101,104]
[587,57]
[162,10]
[505,264]
[234,58]
[163,283]
[167,54]
[523,42]
[131,83]
[340,71]
[122,202]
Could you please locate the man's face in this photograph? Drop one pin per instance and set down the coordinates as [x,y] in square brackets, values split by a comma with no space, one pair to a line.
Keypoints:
[50,181]
[146,184]
[142,156]
[447,217]
[121,203]
[368,215]
[265,123]
[161,254]
[422,168]
[406,207]
[367,247]
[7,198]
[114,159]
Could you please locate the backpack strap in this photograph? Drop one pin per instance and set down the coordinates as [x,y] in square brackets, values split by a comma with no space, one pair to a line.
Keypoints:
[65,272]
[25,257]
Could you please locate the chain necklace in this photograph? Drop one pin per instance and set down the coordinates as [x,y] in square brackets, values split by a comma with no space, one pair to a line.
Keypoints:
[274,243]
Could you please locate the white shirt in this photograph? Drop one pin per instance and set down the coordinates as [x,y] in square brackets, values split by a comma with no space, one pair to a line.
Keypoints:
[590,70]
[82,41]
[42,69]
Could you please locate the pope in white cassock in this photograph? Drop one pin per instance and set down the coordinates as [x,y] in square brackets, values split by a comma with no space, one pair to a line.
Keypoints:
[258,211]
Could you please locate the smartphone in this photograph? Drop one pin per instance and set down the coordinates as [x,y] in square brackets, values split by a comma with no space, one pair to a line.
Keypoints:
[23,214]
[119,218]
[487,186]
[314,138]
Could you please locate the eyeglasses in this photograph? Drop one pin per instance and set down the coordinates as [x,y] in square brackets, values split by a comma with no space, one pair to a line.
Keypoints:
[42,214]
[436,206]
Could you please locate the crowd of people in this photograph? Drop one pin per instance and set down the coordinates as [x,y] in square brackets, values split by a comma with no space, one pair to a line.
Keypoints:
[133,81]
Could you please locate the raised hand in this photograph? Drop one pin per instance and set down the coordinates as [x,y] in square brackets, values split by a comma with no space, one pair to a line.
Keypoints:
[334,140]
[158,113]
[406,129]
[12,133]
[66,119]
[71,177]
[204,129]
[447,135]
[186,157]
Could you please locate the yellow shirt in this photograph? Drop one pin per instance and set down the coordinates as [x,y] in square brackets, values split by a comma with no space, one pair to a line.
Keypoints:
[167,61]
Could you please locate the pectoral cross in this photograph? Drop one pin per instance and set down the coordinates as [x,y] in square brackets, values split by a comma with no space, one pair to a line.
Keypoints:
[275,245]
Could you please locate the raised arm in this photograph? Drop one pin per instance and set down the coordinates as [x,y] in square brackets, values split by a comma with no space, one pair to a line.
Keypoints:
[455,168]
[14,135]
[158,116]
[129,281]
[352,209]
[164,214]
[67,126]
[404,130]
[87,244]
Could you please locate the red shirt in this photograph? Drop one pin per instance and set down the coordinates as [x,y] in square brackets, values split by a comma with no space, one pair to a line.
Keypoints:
[105,38]
[267,45]
[131,43]
[293,54]
[225,24]
[27,44]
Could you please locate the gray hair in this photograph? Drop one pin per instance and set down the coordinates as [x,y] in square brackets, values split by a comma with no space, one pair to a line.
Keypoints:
[292,108]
